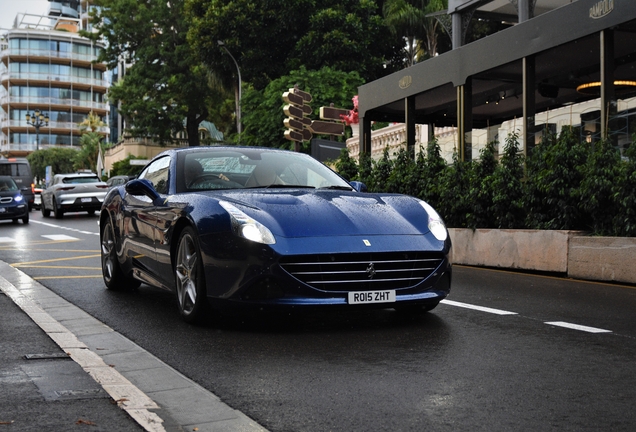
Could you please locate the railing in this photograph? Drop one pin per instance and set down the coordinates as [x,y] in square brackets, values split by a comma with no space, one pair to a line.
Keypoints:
[4,123]
[394,136]
[53,101]
[53,78]
[48,54]
[7,147]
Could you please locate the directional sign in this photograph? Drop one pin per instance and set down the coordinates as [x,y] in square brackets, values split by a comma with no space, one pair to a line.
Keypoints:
[292,98]
[292,135]
[300,127]
[293,111]
[331,113]
[296,110]
[306,96]
[327,128]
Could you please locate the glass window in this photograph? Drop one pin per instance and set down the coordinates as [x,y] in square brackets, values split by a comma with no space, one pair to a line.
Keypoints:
[157,173]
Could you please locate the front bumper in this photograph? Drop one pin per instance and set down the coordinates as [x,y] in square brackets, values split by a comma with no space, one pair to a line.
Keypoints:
[13,212]
[258,275]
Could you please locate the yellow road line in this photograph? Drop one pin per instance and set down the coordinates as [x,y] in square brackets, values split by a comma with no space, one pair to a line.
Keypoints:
[67,277]
[62,267]
[15,265]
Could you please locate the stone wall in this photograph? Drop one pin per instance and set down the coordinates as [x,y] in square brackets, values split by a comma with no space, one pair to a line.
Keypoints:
[571,253]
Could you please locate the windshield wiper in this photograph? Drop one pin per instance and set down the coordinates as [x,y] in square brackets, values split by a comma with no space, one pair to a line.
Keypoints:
[285,186]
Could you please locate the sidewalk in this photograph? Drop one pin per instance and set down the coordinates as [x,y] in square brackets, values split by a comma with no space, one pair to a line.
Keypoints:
[63,370]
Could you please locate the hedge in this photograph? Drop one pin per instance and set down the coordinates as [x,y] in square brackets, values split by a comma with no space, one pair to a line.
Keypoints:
[564,184]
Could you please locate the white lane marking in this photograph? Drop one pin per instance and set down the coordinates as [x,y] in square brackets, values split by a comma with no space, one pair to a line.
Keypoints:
[63,228]
[59,237]
[6,240]
[479,308]
[578,327]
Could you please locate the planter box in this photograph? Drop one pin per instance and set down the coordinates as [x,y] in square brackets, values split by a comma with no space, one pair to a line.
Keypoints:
[516,249]
[603,258]
[567,252]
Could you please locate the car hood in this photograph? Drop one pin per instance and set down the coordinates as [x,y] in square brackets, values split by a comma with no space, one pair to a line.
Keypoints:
[309,213]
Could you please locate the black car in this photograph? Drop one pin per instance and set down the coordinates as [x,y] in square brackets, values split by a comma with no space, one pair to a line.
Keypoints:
[13,205]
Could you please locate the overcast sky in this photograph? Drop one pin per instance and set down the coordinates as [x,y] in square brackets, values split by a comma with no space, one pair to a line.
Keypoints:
[10,8]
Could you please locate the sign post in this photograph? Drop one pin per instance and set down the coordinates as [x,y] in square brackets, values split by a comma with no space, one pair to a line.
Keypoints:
[300,127]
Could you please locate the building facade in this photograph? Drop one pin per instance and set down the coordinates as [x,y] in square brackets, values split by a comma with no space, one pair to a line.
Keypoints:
[561,64]
[46,67]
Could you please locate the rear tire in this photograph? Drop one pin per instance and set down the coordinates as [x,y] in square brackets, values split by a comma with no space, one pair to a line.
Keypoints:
[58,212]
[190,278]
[45,213]
[114,278]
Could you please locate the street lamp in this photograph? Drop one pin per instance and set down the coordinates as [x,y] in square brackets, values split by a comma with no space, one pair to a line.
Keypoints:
[238,101]
[37,119]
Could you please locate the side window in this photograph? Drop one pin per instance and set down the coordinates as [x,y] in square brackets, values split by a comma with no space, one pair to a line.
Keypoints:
[157,174]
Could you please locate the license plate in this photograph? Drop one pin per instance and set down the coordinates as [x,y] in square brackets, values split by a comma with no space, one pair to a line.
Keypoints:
[364,297]
[87,199]
[3,210]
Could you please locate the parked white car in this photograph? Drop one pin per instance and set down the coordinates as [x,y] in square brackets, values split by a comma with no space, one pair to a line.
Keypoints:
[75,192]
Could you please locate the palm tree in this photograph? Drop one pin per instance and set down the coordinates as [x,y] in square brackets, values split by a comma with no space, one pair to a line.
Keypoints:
[409,19]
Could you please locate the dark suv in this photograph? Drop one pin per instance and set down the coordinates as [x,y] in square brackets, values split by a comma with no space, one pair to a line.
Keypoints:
[20,171]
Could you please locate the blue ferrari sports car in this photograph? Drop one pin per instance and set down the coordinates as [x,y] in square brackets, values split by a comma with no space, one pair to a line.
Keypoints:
[223,226]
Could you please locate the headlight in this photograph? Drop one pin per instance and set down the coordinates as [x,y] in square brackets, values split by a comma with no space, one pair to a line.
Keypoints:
[18,198]
[246,227]
[435,222]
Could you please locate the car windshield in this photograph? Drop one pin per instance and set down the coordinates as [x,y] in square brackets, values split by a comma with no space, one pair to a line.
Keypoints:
[255,168]
[83,179]
[8,185]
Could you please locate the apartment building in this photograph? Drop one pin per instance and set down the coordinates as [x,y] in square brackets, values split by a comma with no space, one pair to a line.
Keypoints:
[49,76]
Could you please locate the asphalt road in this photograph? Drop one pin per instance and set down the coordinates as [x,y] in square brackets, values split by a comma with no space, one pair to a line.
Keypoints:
[507,351]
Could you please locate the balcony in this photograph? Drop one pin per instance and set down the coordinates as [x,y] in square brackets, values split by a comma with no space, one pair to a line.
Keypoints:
[16,77]
[53,103]
[18,53]
[53,126]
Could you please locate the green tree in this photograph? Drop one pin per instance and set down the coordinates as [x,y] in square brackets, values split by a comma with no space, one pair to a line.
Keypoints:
[430,183]
[346,166]
[268,39]
[454,206]
[480,194]
[60,159]
[123,167]
[554,175]
[381,172]
[598,188]
[507,187]
[625,219]
[165,84]
[403,178]
[409,19]
[348,36]
[263,109]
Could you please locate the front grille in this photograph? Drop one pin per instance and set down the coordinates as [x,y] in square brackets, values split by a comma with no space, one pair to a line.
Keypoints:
[362,271]
[6,200]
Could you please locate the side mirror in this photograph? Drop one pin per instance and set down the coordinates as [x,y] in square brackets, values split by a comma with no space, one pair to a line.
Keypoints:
[359,186]
[142,188]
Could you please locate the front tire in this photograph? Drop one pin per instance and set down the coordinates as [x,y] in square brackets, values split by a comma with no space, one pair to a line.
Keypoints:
[25,219]
[114,278]
[190,278]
